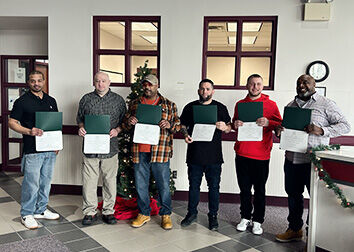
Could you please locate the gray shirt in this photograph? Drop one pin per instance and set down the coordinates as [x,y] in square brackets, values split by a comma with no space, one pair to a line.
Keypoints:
[111,104]
[325,114]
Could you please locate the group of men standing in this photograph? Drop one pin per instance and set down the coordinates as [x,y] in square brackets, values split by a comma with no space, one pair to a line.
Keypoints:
[252,158]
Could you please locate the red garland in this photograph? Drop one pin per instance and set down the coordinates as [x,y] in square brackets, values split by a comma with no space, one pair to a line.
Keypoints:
[128,208]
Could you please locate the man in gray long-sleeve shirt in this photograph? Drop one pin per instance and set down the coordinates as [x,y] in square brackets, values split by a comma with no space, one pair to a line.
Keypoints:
[326,121]
[102,101]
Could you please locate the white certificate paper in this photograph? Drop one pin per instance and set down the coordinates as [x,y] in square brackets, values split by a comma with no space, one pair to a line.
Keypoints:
[203,132]
[146,134]
[250,131]
[96,144]
[294,140]
[50,141]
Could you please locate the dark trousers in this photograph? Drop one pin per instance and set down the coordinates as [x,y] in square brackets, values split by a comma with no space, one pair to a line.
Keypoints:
[297,176]
[252,172]
[212,176]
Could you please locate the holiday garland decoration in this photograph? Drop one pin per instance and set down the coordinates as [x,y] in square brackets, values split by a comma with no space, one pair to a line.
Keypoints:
[125,176]
[323,174]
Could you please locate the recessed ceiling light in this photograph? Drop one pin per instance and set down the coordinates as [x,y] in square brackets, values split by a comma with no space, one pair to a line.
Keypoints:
[251,27]
[231,27]
[246,40]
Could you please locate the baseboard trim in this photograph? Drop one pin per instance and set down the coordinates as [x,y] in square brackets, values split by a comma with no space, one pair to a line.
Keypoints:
[179,195]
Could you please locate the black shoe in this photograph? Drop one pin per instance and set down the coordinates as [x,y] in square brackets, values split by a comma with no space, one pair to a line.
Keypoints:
[213,222]
[109,219]
[89,219]
[189,219]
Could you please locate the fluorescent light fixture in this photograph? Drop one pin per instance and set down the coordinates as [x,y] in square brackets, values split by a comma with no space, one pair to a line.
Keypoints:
[231,27]
[251,27]
[151,39]
[248,40]
[137,26]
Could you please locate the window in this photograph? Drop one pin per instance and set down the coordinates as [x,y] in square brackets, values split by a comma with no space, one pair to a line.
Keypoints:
[236,47]
[122,44]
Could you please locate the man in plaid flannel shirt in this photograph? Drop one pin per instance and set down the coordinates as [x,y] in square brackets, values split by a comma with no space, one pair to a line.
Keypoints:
[154,157]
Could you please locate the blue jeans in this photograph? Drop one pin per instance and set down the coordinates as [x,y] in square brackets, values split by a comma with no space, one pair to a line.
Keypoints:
[161,173]
[212,176]
[37,169]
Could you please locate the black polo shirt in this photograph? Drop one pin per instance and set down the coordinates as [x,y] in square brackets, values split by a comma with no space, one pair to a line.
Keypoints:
[24,111]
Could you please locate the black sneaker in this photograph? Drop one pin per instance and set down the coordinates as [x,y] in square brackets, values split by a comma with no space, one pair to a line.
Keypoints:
[213,222]
[89,219]
[109,219]
[189,219]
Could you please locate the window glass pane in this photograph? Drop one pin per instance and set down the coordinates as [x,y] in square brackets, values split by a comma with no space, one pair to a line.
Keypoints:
[221,70]
[112,35]
[42,66]
[114,66]
[13,94]
[137,61]
[17,70]
[252,65]
[14,153]
[144,36]
[222,36]
[256,36]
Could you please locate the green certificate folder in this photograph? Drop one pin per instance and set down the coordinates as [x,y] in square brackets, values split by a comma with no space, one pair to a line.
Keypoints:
[97,124]
[49,121]
[250,111]
[205,114]
[296,118]
[149,114]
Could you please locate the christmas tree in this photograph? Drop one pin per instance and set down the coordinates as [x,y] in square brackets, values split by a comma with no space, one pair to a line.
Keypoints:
[125,176]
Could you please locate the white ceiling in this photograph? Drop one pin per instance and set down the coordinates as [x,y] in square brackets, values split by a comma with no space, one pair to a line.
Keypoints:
[23,23]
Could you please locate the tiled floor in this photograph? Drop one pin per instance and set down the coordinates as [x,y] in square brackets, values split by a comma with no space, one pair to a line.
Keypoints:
[122,237]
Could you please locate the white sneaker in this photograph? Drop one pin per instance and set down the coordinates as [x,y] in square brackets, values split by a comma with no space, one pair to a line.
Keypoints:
[47,215]
[29,222]
[257,229]
[242,226]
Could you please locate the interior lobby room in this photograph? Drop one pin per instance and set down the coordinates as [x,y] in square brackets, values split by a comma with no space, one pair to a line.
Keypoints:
[182,42]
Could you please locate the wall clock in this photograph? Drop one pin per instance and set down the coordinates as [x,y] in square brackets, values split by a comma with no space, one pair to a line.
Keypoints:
[318,69]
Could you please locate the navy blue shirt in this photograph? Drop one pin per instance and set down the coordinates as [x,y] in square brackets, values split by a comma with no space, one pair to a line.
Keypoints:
[24,111]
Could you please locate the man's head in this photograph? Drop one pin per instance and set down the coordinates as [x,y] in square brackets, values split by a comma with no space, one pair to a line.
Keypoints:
[305,86]
[150,85]
[36,81]
[205,90]
[254,86]
[101,82]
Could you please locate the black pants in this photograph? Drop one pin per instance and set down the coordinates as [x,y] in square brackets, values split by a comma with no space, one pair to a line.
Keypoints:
[252,172]
[212,176]
[297,176]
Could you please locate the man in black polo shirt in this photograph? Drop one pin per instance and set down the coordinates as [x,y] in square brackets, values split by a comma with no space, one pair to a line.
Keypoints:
[37,167]
[204,157]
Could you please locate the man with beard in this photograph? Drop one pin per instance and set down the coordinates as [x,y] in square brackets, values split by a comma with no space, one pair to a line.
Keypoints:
[326,121]
[252,158]
[37,167]
[153,157]
[204,157]
[101,101]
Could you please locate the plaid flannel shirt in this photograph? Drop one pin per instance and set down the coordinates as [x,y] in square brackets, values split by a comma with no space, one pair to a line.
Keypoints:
[162,152]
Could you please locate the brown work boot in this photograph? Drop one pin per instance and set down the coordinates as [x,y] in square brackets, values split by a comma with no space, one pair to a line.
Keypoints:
[289,235]
[140,220]
[166,222]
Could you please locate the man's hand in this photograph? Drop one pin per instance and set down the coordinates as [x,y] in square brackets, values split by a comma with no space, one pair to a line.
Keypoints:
[132,120]
[36,132]
[82,131]
[238,123]
[114,132]
[164,124]
[221,126]
[188,139]
[313,129]
[278,130]
[263,122]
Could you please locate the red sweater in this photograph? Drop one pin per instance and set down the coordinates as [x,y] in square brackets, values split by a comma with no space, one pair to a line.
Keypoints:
[259,150]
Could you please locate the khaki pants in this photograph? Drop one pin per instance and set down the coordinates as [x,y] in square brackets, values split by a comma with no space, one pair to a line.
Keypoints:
[90,174]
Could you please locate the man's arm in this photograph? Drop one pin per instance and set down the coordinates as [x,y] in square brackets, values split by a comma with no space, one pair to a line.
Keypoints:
[16,126]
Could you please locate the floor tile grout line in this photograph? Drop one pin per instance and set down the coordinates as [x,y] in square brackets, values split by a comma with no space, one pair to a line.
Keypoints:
[87,250]
[83,238]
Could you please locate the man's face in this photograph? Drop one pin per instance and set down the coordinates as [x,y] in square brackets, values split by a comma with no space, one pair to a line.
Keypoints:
[205,92]
[102,83]
[150,90]
[305,86]
[36,82]
[255,86]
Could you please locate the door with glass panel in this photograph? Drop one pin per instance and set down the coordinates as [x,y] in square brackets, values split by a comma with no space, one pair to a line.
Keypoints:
[14,74]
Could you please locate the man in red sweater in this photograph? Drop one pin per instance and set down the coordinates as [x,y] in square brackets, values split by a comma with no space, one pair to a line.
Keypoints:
[252,158]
